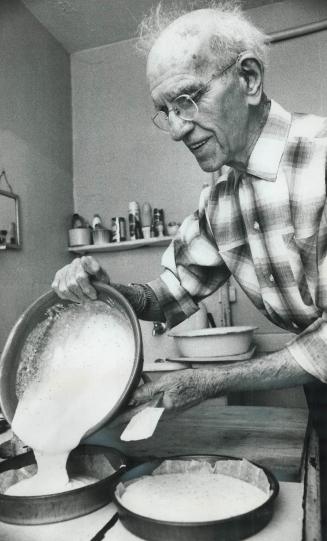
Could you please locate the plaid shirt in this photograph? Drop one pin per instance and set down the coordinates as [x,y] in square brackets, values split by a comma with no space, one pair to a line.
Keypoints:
[268,228]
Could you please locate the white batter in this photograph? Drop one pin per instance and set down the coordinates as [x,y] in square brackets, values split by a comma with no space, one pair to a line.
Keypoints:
[191,497]
[85,368]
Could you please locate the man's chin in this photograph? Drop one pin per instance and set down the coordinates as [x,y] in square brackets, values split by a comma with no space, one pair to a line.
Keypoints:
[209,165]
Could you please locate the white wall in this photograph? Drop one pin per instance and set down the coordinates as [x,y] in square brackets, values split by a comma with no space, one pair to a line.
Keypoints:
[119,156]
[35,151]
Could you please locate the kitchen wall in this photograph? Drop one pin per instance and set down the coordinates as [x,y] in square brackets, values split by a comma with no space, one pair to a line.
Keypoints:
[35,151]
[119,156]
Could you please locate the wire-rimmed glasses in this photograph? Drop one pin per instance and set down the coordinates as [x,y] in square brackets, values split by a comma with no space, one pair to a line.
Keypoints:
[184,106]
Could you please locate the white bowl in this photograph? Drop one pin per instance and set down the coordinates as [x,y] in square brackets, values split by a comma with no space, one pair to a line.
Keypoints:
[214,342]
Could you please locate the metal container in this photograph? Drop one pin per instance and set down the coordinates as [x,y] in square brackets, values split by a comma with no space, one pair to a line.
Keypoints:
[79,236]
[84,460]
[231,529]
[37,313]
[101,236]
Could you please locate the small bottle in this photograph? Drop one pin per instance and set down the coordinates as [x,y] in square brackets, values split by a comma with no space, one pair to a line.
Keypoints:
[96,222]
[77,221]
[158,222]
[134,221]
[152,230]
[162,223]
[118,229]
[146,219]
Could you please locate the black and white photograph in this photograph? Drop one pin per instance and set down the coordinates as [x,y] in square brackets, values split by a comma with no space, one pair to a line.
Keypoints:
[163,270]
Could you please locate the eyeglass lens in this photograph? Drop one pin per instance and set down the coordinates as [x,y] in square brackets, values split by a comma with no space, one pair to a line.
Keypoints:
[183,107]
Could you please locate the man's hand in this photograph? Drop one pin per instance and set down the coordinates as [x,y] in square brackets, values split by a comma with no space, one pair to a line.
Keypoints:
[182,389]
[73,282]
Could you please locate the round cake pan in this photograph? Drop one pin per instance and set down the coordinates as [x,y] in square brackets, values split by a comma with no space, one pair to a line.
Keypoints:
[38,312]
[104,463]
[231,529]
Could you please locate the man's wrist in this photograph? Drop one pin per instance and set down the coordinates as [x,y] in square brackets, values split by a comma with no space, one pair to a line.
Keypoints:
[143,300]
[135,294]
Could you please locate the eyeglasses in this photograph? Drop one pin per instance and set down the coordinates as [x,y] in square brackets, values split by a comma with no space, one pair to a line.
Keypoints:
[184,107]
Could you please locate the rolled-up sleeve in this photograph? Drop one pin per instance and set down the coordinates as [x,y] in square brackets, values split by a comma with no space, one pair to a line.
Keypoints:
[193,267]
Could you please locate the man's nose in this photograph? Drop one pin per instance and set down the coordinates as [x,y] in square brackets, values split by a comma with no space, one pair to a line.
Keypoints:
[178,127]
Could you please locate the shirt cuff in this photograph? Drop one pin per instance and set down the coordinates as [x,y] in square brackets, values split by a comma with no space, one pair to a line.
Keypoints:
[175,302]
[309,349]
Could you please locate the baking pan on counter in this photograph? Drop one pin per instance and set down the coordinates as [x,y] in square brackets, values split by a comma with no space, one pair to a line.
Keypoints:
[229,529]
[104,463]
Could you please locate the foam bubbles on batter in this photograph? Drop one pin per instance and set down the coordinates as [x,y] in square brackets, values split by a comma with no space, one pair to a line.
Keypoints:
[79,371]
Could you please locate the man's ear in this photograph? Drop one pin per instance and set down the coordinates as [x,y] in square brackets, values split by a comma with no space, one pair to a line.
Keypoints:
[250,72]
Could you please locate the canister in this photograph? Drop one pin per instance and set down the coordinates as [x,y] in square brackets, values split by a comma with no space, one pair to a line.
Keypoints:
[79,236]
[101,236]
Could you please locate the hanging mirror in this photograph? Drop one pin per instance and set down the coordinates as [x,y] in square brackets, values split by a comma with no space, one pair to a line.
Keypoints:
[9,218]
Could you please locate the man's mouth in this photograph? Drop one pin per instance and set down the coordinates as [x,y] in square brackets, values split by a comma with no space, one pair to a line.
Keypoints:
[195,146]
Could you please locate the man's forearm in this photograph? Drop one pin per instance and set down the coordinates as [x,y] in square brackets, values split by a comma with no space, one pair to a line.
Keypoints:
[184,388]
[272,371]
[143,300]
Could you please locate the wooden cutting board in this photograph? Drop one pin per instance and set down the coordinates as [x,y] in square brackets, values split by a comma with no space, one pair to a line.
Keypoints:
[271,436]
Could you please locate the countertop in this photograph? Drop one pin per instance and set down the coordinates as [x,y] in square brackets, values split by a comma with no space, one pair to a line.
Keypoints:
[273,437]
[285,524]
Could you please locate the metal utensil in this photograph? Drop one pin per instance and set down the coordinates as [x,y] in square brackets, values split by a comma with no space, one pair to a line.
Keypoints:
[110,524]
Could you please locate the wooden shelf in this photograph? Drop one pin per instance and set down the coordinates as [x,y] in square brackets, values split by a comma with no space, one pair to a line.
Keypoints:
[121,246]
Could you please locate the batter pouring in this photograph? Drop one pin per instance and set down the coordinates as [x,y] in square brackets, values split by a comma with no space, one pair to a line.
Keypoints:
[82,371]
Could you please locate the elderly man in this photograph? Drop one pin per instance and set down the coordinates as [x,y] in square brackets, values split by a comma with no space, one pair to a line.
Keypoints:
[264,221]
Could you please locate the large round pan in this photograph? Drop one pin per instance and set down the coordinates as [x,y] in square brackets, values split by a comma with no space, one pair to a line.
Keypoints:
[36,313]
[90,460]
[231,529]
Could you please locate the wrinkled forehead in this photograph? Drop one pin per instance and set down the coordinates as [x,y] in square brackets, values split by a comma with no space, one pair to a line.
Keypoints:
[181,48]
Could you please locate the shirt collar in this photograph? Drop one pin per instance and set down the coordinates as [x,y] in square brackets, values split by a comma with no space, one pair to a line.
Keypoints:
[267,153]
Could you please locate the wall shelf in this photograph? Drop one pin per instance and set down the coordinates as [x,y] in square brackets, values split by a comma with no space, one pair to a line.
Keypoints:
[121,246]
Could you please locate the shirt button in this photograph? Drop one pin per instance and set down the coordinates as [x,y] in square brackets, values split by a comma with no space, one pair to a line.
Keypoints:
[256,226]
[271,278]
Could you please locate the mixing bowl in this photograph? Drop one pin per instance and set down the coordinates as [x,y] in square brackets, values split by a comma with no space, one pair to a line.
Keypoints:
[213,342]
[39,312]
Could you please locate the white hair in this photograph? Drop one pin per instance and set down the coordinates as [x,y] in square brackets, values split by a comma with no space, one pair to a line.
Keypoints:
[234,33]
